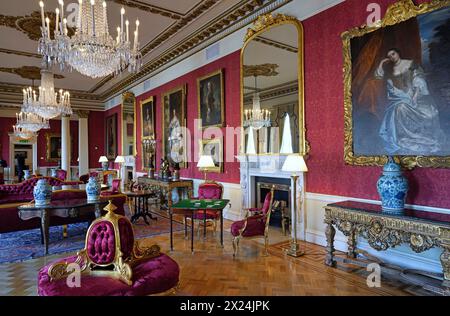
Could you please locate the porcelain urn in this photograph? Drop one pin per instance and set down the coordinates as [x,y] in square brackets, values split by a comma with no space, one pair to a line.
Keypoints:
[392,187]
[42,193]
[93,189]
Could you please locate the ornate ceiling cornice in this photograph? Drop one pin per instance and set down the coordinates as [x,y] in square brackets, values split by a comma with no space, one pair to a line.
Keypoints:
[281,90]
[240,11]
[276,44]
[19,53]
[150,8]
[28,72]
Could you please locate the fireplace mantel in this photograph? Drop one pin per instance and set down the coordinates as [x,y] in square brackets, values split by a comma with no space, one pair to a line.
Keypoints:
[269,166]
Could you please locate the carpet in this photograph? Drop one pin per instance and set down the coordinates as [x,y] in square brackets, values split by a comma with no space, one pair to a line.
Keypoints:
[26,244]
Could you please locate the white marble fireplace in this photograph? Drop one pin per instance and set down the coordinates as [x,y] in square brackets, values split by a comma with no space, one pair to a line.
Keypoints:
[269,166]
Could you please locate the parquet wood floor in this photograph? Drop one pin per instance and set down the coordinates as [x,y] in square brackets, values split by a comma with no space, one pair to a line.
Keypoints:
[211,270]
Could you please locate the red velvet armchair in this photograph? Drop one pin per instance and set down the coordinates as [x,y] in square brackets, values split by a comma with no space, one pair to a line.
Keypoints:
[110,242]
[115,188]
[61,174]
[255,224]
[208,191]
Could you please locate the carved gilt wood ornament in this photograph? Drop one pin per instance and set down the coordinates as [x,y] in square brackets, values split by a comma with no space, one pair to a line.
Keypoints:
[262,24]
[398,12]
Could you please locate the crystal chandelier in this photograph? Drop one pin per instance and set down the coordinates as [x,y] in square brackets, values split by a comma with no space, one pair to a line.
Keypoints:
[31,122]
[92,51]
[23,133]
[256,117]
[48,104]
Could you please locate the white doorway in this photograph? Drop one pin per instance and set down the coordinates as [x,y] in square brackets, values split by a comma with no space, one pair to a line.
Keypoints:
[22,147]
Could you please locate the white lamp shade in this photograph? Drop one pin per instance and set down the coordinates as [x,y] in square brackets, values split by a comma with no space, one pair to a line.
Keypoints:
[119,159]
[286,143]
[251,149]
[294,163]
[103,159]
[205,161]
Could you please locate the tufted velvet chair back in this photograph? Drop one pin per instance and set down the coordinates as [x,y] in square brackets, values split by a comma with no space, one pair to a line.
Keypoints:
[115,188]
[267,202]
[61,174]
[210,190]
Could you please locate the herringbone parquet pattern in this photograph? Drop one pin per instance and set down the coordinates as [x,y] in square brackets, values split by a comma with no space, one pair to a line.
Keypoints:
[211,270]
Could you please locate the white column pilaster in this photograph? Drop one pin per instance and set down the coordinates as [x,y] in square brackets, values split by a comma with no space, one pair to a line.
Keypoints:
[65,145]
[83,142]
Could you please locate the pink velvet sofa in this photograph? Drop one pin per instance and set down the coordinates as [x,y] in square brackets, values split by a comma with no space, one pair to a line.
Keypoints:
[12,196]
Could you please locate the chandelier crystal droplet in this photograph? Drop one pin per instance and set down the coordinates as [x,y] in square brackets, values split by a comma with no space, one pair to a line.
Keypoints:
[92,51]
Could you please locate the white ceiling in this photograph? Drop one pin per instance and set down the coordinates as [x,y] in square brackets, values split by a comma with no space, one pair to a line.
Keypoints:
[156,17]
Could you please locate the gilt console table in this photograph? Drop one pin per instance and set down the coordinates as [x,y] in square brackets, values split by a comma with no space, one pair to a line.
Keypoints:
[421,230]
[165,187]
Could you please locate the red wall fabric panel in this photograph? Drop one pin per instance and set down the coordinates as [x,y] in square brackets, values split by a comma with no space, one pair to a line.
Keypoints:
[324,93]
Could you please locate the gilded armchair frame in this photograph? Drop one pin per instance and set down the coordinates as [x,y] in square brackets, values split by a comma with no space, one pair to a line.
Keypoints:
[236,239]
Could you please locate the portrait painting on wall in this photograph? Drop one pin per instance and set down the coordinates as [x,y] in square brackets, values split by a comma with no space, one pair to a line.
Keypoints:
[211,100]
[397,100]
[53,147]
[148,119]
[213,148]
[111,136]
[174,124]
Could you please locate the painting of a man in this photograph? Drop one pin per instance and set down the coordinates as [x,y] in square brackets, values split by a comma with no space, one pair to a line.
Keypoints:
[148,119]
[210,91]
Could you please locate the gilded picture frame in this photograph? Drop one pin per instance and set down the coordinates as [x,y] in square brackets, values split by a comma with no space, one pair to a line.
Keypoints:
[356,86]
[53,147]
[174,140]
[147,112]
[128,108]
[214,148]
[210,95]
[111,137]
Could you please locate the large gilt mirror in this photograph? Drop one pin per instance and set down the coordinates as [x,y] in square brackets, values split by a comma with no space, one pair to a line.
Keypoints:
[128,124]
[272,81]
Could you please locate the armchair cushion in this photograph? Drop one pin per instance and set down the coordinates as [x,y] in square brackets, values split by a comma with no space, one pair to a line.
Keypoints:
[255,226]
[101,243]
[156,275]
[209,214]
[209,191]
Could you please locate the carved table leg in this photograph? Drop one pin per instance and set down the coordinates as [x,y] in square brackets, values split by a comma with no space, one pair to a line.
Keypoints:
[45,228]
[330,232]
[352,244]
[445,261]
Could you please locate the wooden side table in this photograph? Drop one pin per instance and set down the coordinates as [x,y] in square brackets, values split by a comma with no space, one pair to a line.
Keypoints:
[140,205]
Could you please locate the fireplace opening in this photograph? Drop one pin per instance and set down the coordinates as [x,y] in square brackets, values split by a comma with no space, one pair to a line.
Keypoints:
[281,213]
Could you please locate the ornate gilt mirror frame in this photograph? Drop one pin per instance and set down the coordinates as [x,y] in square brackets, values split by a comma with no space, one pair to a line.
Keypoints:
[400,11]
[261,25]
[126,97]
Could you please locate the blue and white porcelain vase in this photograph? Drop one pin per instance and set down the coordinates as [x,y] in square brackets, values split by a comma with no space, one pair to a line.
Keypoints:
[42,193]
[392,188]
[93,190]
[26,174]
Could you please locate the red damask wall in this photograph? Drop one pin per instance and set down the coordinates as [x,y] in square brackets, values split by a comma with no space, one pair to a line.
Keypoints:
[231,71]
[325,112]
[96,139]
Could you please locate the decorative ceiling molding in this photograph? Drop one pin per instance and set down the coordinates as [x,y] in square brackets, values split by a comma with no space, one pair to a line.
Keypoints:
[27,72]
[264,70]
[31,24]
[246,7]
[170,31]
[19,53]
[276,44]
[277,91]
[150,8]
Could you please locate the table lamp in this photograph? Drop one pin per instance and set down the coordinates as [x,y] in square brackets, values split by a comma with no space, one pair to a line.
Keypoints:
[105,162]
[120,160]
[205,162]
[295,164]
